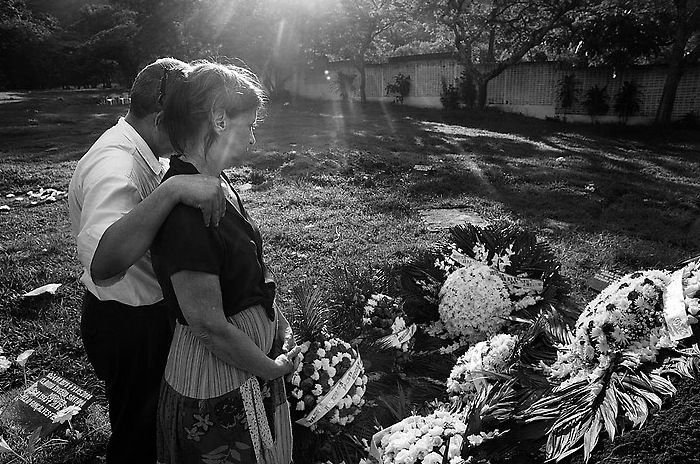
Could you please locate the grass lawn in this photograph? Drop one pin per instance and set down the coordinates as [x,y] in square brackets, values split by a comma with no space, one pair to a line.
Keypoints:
[335,189]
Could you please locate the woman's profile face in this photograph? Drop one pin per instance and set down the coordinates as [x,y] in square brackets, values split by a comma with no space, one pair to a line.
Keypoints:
[235,139]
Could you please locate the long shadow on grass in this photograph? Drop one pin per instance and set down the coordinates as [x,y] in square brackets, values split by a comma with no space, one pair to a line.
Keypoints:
[629,180]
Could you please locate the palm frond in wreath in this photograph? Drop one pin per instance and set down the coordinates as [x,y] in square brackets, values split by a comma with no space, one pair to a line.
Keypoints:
[578,412]
[419,284]
[310,317]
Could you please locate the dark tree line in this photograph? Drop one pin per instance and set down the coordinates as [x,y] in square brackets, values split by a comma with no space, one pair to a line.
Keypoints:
[47,43]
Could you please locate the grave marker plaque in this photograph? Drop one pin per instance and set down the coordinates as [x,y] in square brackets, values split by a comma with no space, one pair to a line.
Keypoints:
[38,404]
[602,279]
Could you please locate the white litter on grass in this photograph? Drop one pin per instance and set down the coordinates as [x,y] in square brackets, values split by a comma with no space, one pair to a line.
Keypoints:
[244,187]
[422,167]
[4,208]
[48,288]
[43,195]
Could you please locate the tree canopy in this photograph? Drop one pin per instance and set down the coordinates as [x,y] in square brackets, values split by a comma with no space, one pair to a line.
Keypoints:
[56,42]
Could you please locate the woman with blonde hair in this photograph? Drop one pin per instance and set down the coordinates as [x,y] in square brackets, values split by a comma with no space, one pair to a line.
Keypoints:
[222,397]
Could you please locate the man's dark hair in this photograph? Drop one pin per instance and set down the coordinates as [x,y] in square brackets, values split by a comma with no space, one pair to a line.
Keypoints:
[151,84]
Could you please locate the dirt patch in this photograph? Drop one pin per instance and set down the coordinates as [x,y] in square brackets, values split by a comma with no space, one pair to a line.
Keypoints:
[670,437]
[444,218]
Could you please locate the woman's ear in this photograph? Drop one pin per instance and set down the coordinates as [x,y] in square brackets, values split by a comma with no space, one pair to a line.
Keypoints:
[219,120]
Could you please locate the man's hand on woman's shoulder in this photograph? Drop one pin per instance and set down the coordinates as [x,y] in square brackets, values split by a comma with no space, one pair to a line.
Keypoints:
[202,192]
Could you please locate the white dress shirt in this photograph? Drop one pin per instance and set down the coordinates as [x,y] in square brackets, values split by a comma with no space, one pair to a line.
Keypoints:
[117,173]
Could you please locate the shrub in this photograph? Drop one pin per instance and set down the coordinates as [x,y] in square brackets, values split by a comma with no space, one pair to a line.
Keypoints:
[400,88]
[344,84]
[449,96]
[596,101]
[690,120]
[627,100]
[467,89]
[566,91]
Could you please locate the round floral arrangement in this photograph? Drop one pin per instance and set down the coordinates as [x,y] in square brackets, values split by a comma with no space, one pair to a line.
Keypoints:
[627,315]
[328,386]
[473,302]
[494,355]
[421,440]
[487,275]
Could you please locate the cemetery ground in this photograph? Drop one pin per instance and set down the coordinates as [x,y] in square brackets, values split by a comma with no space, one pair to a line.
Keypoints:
[340,191]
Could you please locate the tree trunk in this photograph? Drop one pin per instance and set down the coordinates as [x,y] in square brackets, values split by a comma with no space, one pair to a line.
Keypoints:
[668,96]
[675,63]
[482,92]
[491,55]
[363,82]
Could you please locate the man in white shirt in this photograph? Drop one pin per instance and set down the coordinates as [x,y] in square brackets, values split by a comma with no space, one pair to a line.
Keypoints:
[117,205]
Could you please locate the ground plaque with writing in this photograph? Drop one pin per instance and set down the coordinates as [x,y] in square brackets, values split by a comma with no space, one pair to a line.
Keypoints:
[38,404]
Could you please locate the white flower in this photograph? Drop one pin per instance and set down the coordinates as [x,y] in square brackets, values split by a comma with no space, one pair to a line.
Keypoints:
[321,353]
[432,458]
[626,316]
[411,441]
[317,364]
[22,358]
[4,363]
[473,301]
[494,355]
[66,414]
[317,390]
[475,440]
[300,406]
[296,379]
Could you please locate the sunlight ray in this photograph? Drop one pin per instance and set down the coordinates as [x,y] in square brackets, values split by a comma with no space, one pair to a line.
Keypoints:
[387,116]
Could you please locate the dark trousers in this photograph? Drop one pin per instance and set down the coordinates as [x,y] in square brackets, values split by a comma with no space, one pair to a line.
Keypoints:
[128,347]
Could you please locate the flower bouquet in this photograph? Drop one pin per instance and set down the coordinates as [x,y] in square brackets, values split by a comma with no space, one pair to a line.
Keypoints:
[486,277]
[421,440]
[325,390]
[385,320]
[328,385]
[479,364]
[610,375]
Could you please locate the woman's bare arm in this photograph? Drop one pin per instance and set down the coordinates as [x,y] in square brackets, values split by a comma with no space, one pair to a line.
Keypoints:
[199,296]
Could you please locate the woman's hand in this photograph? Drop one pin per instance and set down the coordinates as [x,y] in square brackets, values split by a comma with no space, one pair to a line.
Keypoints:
[287,362]
[284,336]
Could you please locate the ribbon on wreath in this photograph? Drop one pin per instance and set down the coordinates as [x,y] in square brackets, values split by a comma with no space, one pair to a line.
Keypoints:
[674,308]
[258,426]
[395,340]
[516,285]
[336,393]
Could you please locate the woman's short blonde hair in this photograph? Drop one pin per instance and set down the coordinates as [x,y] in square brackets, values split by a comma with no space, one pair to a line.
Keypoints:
[209,87]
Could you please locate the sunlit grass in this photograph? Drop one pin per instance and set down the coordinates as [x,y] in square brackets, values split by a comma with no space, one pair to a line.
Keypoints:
[334,187]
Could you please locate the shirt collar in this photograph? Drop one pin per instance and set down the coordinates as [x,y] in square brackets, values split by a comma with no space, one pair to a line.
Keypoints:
[141,146]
